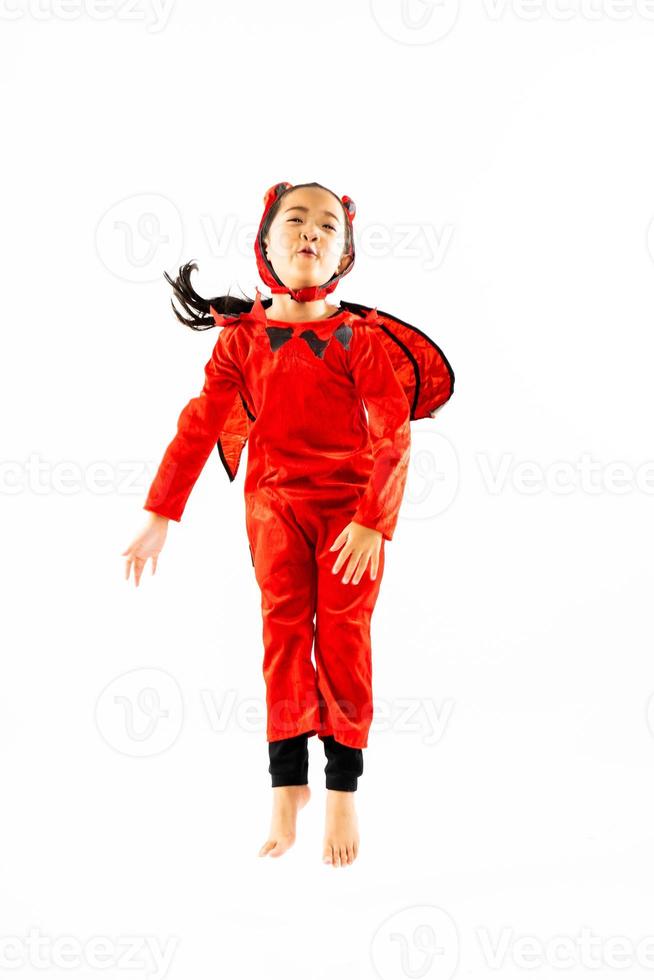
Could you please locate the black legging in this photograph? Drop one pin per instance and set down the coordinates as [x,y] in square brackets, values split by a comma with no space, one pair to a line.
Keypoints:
[289,763]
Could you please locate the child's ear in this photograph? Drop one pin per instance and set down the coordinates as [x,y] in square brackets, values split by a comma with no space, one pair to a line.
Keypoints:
[344,263]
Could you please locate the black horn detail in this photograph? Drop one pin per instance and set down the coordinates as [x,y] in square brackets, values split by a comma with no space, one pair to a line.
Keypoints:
[278,336]
[344,335]
[315,343]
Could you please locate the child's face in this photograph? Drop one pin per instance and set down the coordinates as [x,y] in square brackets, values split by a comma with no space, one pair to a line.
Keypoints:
[313,217]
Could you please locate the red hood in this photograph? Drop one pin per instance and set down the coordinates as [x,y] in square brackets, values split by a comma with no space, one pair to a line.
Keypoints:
[307,293]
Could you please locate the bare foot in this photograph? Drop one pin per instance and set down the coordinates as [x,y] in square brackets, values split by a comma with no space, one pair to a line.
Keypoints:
[287,800]
[341,843]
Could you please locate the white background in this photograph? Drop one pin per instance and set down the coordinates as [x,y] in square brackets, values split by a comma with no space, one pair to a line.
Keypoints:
[513,799]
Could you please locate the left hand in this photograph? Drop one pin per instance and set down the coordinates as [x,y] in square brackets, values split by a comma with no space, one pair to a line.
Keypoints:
[361,545]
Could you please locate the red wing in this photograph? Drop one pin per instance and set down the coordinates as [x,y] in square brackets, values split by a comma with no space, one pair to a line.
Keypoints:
[421,366]
[233,436]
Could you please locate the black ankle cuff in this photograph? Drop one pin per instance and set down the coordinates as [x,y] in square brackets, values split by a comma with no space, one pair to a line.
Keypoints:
[280,780]
[342,782]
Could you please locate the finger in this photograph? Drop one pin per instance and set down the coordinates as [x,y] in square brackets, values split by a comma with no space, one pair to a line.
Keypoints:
[337,542]
[128,566]
[374,562]
[154,563]
[138,569]
[361,567]
[352,564]
[344,554]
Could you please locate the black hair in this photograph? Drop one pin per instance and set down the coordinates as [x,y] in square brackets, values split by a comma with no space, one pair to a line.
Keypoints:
[200,317]
[197,307]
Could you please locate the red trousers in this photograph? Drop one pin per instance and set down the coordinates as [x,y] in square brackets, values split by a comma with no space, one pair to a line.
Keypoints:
[290,535]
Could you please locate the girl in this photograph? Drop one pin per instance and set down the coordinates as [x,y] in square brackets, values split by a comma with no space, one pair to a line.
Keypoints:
[324,396]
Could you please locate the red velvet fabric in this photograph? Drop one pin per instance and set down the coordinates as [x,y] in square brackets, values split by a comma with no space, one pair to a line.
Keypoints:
[325,407]
[290,534]
[307,428]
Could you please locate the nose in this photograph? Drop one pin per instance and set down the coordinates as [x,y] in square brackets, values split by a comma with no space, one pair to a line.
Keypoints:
[313,235]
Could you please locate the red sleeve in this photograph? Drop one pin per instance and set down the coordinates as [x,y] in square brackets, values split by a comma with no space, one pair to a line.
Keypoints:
[388,424]
[198,430]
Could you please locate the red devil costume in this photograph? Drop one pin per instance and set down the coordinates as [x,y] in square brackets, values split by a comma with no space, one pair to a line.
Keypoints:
[298,393]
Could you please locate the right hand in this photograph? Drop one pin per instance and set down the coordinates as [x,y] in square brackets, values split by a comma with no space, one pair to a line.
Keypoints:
[147,544]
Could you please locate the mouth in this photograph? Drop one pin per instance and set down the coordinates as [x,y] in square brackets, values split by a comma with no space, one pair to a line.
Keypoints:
[307,251]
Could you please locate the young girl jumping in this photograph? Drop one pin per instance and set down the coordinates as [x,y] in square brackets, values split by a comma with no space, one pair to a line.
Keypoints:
[324,396]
